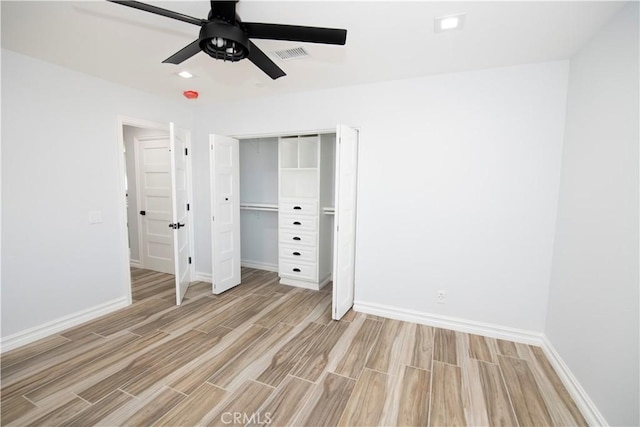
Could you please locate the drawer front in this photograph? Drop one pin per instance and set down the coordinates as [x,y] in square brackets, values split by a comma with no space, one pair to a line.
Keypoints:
[295,253]
[298,222]
[298,207]
[298,238]
[298,270]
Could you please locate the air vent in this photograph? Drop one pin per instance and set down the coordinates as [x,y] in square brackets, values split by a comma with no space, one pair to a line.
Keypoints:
[295,53]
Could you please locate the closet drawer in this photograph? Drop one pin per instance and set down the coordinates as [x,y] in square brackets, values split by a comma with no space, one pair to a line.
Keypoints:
[297,222]
[298,207]
[298,238]
[298,253]
[297,270]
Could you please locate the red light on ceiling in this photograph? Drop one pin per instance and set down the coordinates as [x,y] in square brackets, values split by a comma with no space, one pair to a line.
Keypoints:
[190,94]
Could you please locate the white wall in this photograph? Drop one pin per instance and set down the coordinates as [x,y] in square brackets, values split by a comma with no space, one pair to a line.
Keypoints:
[458,184]
[59,143]
[592,316]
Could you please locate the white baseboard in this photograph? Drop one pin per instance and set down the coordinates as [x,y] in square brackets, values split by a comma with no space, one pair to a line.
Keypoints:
[135,264]
[259,265]
[579,395]
[33,334]
[462,325]
[202,277]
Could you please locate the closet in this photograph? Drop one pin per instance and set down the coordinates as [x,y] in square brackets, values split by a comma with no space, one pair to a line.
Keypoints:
[286,204]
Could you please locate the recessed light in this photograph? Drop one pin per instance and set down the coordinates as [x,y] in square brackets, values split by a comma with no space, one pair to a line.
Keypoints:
[185,74]
[449,22]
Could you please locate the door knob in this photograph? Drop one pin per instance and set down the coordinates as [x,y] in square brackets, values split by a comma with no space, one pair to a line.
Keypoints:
[143,212]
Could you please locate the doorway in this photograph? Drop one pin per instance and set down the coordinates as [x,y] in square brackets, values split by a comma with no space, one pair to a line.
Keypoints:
[156,183]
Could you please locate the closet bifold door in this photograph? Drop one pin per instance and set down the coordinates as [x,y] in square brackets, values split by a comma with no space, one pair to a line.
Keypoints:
[225,212]
[345,220]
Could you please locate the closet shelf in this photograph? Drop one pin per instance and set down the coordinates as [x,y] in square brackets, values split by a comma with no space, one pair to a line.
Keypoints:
[271,207]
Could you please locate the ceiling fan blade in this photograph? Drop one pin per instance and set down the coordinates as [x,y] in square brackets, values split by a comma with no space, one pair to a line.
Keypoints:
[160,11]
[183,54]
[296,33]
[263,62]
[224,9]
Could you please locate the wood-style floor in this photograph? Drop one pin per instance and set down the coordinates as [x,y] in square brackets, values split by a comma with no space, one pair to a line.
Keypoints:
[264,353]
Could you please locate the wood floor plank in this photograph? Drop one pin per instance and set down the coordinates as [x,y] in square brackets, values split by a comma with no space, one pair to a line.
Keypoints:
[561,406]
[118,353]
[422,354]
[193,379]
[365,405]
[137,366]
[269,319]
[56,355]
[507,348]
[242,405]
[479,349]
[155,409]
[191,311]
[191,410]
[60,414]
[444,346]
[528,403]
[94,413]
[315,359]
[160,373]
[231,370]
[355,358]
[25,353]
[496,399]
[35,381]
[287,358]
[305,307]
[413,407]
[447,408]
[13,408]
[387,347]
[284,403]
[120,320]
[327,402]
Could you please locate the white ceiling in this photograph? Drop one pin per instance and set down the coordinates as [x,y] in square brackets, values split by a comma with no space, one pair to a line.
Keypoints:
[385,41]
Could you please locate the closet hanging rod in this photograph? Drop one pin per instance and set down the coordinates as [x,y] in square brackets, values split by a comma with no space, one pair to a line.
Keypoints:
[259,207]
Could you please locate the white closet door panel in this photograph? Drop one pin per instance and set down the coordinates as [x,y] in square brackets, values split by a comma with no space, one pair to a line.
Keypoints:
[180,216]
[345,220]
[225,209]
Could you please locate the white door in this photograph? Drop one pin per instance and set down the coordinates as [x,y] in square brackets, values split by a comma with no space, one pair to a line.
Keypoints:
[180,221]
[344,250]
[154,187]
[225,211]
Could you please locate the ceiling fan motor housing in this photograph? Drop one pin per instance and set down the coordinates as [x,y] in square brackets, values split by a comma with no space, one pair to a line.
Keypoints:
[221,40]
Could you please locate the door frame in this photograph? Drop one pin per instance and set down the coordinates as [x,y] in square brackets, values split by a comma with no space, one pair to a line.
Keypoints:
[123,120]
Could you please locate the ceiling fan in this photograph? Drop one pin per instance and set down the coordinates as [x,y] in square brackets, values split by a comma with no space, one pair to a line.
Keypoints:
[224,36]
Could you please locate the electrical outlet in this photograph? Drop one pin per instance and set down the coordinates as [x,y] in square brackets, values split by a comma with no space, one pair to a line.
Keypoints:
[441,297]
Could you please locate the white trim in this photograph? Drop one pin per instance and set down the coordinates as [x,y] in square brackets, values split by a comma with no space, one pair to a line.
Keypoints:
[259,265]
[579,395]
[202,277]
[135,263]
[32,334]
[456,324]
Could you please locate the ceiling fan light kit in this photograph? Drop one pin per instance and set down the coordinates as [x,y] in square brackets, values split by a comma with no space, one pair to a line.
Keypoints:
[225,37]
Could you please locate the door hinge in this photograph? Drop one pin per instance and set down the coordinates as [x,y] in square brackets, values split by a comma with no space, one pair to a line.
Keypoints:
[213,218]
[189,260]
[186,151]
[188,206]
